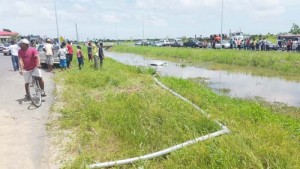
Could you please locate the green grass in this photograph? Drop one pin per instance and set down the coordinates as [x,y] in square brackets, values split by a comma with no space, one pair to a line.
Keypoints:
[262,136]
[270,63]
[119,112]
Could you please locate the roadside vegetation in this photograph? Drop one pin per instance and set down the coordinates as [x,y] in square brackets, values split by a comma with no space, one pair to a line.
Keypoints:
[119,112]
[267,63]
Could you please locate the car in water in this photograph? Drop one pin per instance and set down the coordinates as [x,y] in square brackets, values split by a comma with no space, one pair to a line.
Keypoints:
[6,50]
[42,54]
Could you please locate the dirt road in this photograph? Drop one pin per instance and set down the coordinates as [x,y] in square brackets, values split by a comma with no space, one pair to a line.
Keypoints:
[23,133]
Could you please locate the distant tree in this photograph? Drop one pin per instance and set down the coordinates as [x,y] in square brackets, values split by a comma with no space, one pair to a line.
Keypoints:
[295,29]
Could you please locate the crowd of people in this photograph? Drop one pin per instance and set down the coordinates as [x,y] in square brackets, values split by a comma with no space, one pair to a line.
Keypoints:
[25,58]
[261,44]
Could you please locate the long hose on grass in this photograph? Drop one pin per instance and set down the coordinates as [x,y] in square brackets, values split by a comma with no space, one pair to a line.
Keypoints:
[224,130]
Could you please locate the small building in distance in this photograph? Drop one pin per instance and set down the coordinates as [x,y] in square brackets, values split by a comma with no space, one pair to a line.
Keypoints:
[7,35]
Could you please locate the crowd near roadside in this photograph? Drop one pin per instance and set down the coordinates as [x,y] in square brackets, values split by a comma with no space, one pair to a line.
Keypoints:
[51,53]
[240,42]
[27,57]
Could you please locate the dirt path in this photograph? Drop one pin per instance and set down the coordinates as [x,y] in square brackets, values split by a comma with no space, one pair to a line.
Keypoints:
[23,136]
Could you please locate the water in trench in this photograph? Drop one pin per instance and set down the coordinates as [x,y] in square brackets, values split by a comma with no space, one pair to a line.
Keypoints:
[238,84]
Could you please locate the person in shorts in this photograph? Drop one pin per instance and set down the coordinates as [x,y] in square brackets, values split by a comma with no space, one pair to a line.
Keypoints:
[29,62]
[62,54]
[48,49]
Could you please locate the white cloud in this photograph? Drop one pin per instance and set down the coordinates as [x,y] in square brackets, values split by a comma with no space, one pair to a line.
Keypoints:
[186,17]
[111,18]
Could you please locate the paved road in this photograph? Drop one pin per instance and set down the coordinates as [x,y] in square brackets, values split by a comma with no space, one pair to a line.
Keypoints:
[23,134]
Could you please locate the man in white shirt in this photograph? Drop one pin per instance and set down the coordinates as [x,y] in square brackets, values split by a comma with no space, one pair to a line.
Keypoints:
[48,49]
[14,48]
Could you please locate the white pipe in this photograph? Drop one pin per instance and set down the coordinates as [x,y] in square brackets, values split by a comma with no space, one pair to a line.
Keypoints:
[224,130]
[160,153]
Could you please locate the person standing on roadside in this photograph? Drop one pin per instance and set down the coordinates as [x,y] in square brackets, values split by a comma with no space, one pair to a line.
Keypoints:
[254,44]
[48,49]
[70,54]
[101,54]
[14,48]
[90,51]
[62,54]
[30,61]
[239,43]
[79,57]
[248,43]
[95,48]
[299,45]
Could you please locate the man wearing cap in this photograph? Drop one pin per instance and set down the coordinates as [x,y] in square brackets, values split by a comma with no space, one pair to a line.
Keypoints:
[29,61]
[48,49]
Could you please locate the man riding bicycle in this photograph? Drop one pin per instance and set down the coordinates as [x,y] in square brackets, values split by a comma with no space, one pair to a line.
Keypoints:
[29,61]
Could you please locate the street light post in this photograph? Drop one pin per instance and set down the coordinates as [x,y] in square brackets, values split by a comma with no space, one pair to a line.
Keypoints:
[143,29]
[222,23]
[56,22]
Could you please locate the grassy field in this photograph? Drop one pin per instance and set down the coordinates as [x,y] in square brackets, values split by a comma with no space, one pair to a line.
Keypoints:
[119,112]
[268,63]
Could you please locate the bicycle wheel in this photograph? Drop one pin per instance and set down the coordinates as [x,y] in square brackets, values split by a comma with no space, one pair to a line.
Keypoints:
[35,93]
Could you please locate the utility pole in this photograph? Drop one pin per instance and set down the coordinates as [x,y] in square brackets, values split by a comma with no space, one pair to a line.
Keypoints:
[117,34]
[143,29]
[76,32]
[56,22]
[222,23]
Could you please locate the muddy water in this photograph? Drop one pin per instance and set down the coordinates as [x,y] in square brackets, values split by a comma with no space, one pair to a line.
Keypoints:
[239,85]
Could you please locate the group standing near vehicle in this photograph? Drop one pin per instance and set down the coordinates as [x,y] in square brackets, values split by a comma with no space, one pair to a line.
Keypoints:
[48,49]
[26,59]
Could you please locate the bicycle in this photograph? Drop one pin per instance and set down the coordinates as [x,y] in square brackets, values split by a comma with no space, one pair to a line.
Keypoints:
[34,90]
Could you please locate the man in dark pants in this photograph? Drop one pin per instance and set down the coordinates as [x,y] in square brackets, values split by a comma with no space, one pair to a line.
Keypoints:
[69,54]
[14,48]
[101,54]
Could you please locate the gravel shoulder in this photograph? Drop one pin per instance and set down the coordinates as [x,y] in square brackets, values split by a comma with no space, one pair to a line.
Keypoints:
[24,142]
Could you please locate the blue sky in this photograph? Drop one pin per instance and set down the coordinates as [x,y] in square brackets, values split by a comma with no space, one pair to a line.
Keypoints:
[125,19]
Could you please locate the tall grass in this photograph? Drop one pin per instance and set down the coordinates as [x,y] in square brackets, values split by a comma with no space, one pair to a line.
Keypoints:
[281,62]
[261,136]
[120,112]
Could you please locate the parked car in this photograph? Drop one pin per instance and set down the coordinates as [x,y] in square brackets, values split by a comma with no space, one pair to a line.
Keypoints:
[142,43]
[193,43]
[178,43]
[138,43]
[225,44]
[271,46]
[42,54]
[165,42]
[1,47]
[158,43]
[6,50]
[171,42]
